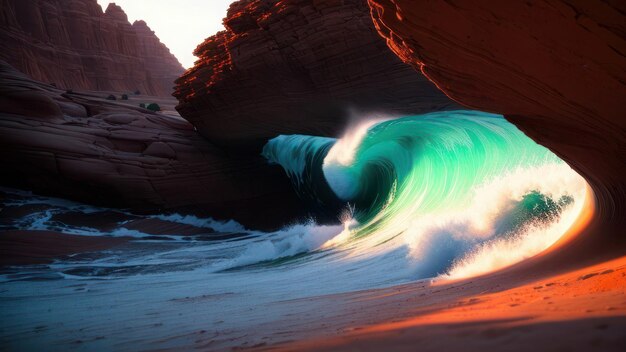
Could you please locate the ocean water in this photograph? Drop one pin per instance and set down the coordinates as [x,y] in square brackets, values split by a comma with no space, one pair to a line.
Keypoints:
[440,196]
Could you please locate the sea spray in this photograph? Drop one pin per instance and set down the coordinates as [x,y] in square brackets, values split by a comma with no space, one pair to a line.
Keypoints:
[450,194]
[446,185]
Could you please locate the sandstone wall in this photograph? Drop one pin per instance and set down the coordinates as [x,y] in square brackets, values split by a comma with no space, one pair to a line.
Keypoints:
[555,68]
[297,66]
[76,45]
[83,147]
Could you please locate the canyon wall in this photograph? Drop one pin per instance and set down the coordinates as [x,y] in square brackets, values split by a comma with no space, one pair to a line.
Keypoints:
[75,45]
[83,147]
[297,66]
[555,68]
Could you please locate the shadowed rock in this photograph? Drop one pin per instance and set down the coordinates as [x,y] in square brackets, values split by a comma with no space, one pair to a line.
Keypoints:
[75,45]
[81,146]
[554,68]
[296,66]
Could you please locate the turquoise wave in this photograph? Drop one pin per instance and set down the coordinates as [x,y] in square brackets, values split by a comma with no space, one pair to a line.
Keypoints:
[395,171]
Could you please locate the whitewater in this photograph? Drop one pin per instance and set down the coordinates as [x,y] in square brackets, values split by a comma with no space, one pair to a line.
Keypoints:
[447,195]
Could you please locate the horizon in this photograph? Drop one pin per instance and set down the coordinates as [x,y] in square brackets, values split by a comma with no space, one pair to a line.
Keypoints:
[180,30]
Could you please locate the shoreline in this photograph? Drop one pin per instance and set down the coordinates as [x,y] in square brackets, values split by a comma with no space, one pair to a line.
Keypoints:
[341,321]
[532,300]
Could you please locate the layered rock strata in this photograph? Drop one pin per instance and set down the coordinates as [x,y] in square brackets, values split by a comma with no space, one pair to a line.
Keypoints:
[556,69]
[75,45]
[297,66]
[84,147]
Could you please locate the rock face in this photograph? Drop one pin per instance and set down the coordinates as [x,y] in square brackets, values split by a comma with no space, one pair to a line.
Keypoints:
[296,66]
[111,153]
[555,68]
[73,44]
[292,66]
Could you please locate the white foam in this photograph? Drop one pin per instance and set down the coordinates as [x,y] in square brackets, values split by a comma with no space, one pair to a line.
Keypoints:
[344,150]
[209,223]
[290,241]
[340,177]
[469,236]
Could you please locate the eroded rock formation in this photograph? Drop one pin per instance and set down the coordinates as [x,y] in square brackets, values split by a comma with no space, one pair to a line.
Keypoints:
[555,68]
[292,66]
[84,147]
[76,45]
[296,66]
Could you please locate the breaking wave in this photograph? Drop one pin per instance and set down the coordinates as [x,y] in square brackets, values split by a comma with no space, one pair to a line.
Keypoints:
[463,192]
[449,195]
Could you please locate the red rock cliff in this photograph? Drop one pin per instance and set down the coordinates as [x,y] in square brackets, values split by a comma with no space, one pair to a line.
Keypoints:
[296,66]
[555,68]
[81,146]
[73,44]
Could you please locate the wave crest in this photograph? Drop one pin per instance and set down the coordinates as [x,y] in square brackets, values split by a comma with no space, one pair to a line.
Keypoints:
[455,188]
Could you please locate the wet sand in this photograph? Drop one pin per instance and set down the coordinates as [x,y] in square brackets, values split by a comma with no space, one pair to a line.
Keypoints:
[40,247]
[572,297]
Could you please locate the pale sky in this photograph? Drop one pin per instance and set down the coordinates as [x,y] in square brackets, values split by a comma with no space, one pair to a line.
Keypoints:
[181,24]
